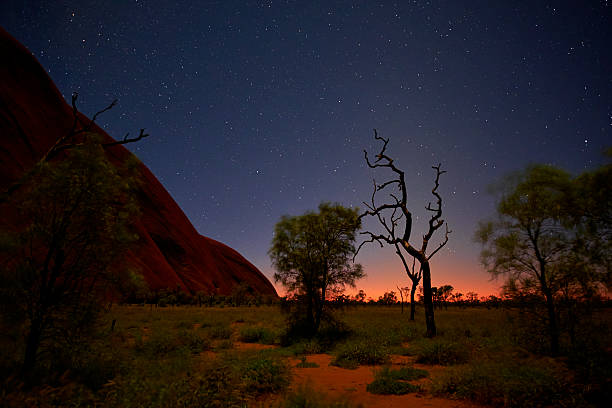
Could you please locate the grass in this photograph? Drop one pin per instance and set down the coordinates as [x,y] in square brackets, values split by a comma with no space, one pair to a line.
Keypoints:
[509,383]
[185,356]
[394,382]
[441,352]
[358,352]
[306,364]
[306,397]
[257,334]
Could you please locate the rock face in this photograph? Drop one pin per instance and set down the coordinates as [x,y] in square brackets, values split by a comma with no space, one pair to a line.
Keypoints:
[170,252]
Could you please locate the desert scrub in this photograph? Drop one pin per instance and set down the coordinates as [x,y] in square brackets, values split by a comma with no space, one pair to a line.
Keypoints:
[392,382]
[306,397]
[257,334]
[507,384]
[218,332]
[408,373]
[360,352]
[263,374]
[441,352]
[306,364]
[194,341]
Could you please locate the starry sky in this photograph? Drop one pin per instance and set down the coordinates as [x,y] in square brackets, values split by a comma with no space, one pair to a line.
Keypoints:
[258,109]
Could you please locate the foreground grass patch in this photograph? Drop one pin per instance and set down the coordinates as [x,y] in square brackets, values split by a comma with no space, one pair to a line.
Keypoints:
[441,352]
[393,382]
[354,353]
[257,334]
[306,397]
[508,384]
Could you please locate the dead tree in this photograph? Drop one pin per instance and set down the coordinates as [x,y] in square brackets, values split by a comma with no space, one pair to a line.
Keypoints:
[415,277]
[395,212]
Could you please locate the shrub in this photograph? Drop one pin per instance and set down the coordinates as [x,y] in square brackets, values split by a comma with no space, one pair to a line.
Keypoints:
[306,364]
[387,382]
[264,375]
[408,373]
[194,342]
[306,397]
[352,354]
[506,384]
[219,332]
[257,334]
[441,352]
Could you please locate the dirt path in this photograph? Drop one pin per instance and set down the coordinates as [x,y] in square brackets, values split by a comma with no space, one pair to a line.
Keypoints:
[339,382]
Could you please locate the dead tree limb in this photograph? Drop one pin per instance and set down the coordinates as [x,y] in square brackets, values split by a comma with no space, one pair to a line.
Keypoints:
[69,141]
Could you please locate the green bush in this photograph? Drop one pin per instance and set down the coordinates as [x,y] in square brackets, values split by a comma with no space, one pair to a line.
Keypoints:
[441,352]
[306,397]
[194,342]
[257,334]
[219,332]
[507,384]
[265,375]
[306,364]
[387,382]
[408,373]
[363,352]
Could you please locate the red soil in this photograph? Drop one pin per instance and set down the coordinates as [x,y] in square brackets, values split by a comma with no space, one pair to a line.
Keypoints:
[338,382]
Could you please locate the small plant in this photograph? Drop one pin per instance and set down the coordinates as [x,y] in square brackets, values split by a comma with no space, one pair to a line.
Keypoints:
[352,354]
[194,342]
[441,352]
[390,382]
[408,373]
[257,334]
[219,332]
[306,364]
[264,375]
[507,384]
[306,397]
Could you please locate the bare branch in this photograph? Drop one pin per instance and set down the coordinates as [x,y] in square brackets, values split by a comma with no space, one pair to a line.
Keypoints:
[126,140]
[441,244]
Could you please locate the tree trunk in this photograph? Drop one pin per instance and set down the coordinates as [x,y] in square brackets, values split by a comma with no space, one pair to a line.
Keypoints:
[552,321]
[427,299]
[412,305]
[319,311]
[310,311]
[32,344]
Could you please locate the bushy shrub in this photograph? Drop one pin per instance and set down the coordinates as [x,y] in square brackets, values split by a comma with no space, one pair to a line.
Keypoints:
[388,382]
[506,384]
[219,332]
[257,334]
[306,397]
[265,375]
[361,352]
[306,364]
[442,352]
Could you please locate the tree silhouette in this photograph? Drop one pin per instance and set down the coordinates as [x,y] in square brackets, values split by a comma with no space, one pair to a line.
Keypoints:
[77,212]
[312,255]
[393,212]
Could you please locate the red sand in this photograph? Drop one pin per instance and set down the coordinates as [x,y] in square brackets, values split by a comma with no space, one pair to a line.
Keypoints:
[339,382]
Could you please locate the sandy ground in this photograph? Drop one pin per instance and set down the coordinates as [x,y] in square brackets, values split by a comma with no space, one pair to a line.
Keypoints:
[351,384]
[340,383]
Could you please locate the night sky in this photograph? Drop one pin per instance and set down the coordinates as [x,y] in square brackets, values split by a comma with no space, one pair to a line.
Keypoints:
[260,109]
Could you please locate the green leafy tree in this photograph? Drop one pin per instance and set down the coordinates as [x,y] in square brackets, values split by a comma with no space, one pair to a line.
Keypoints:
[63,262]
[551,238]
[312,254]
[527,242]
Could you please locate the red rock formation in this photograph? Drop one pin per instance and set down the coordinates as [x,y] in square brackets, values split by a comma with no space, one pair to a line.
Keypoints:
[170,252]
